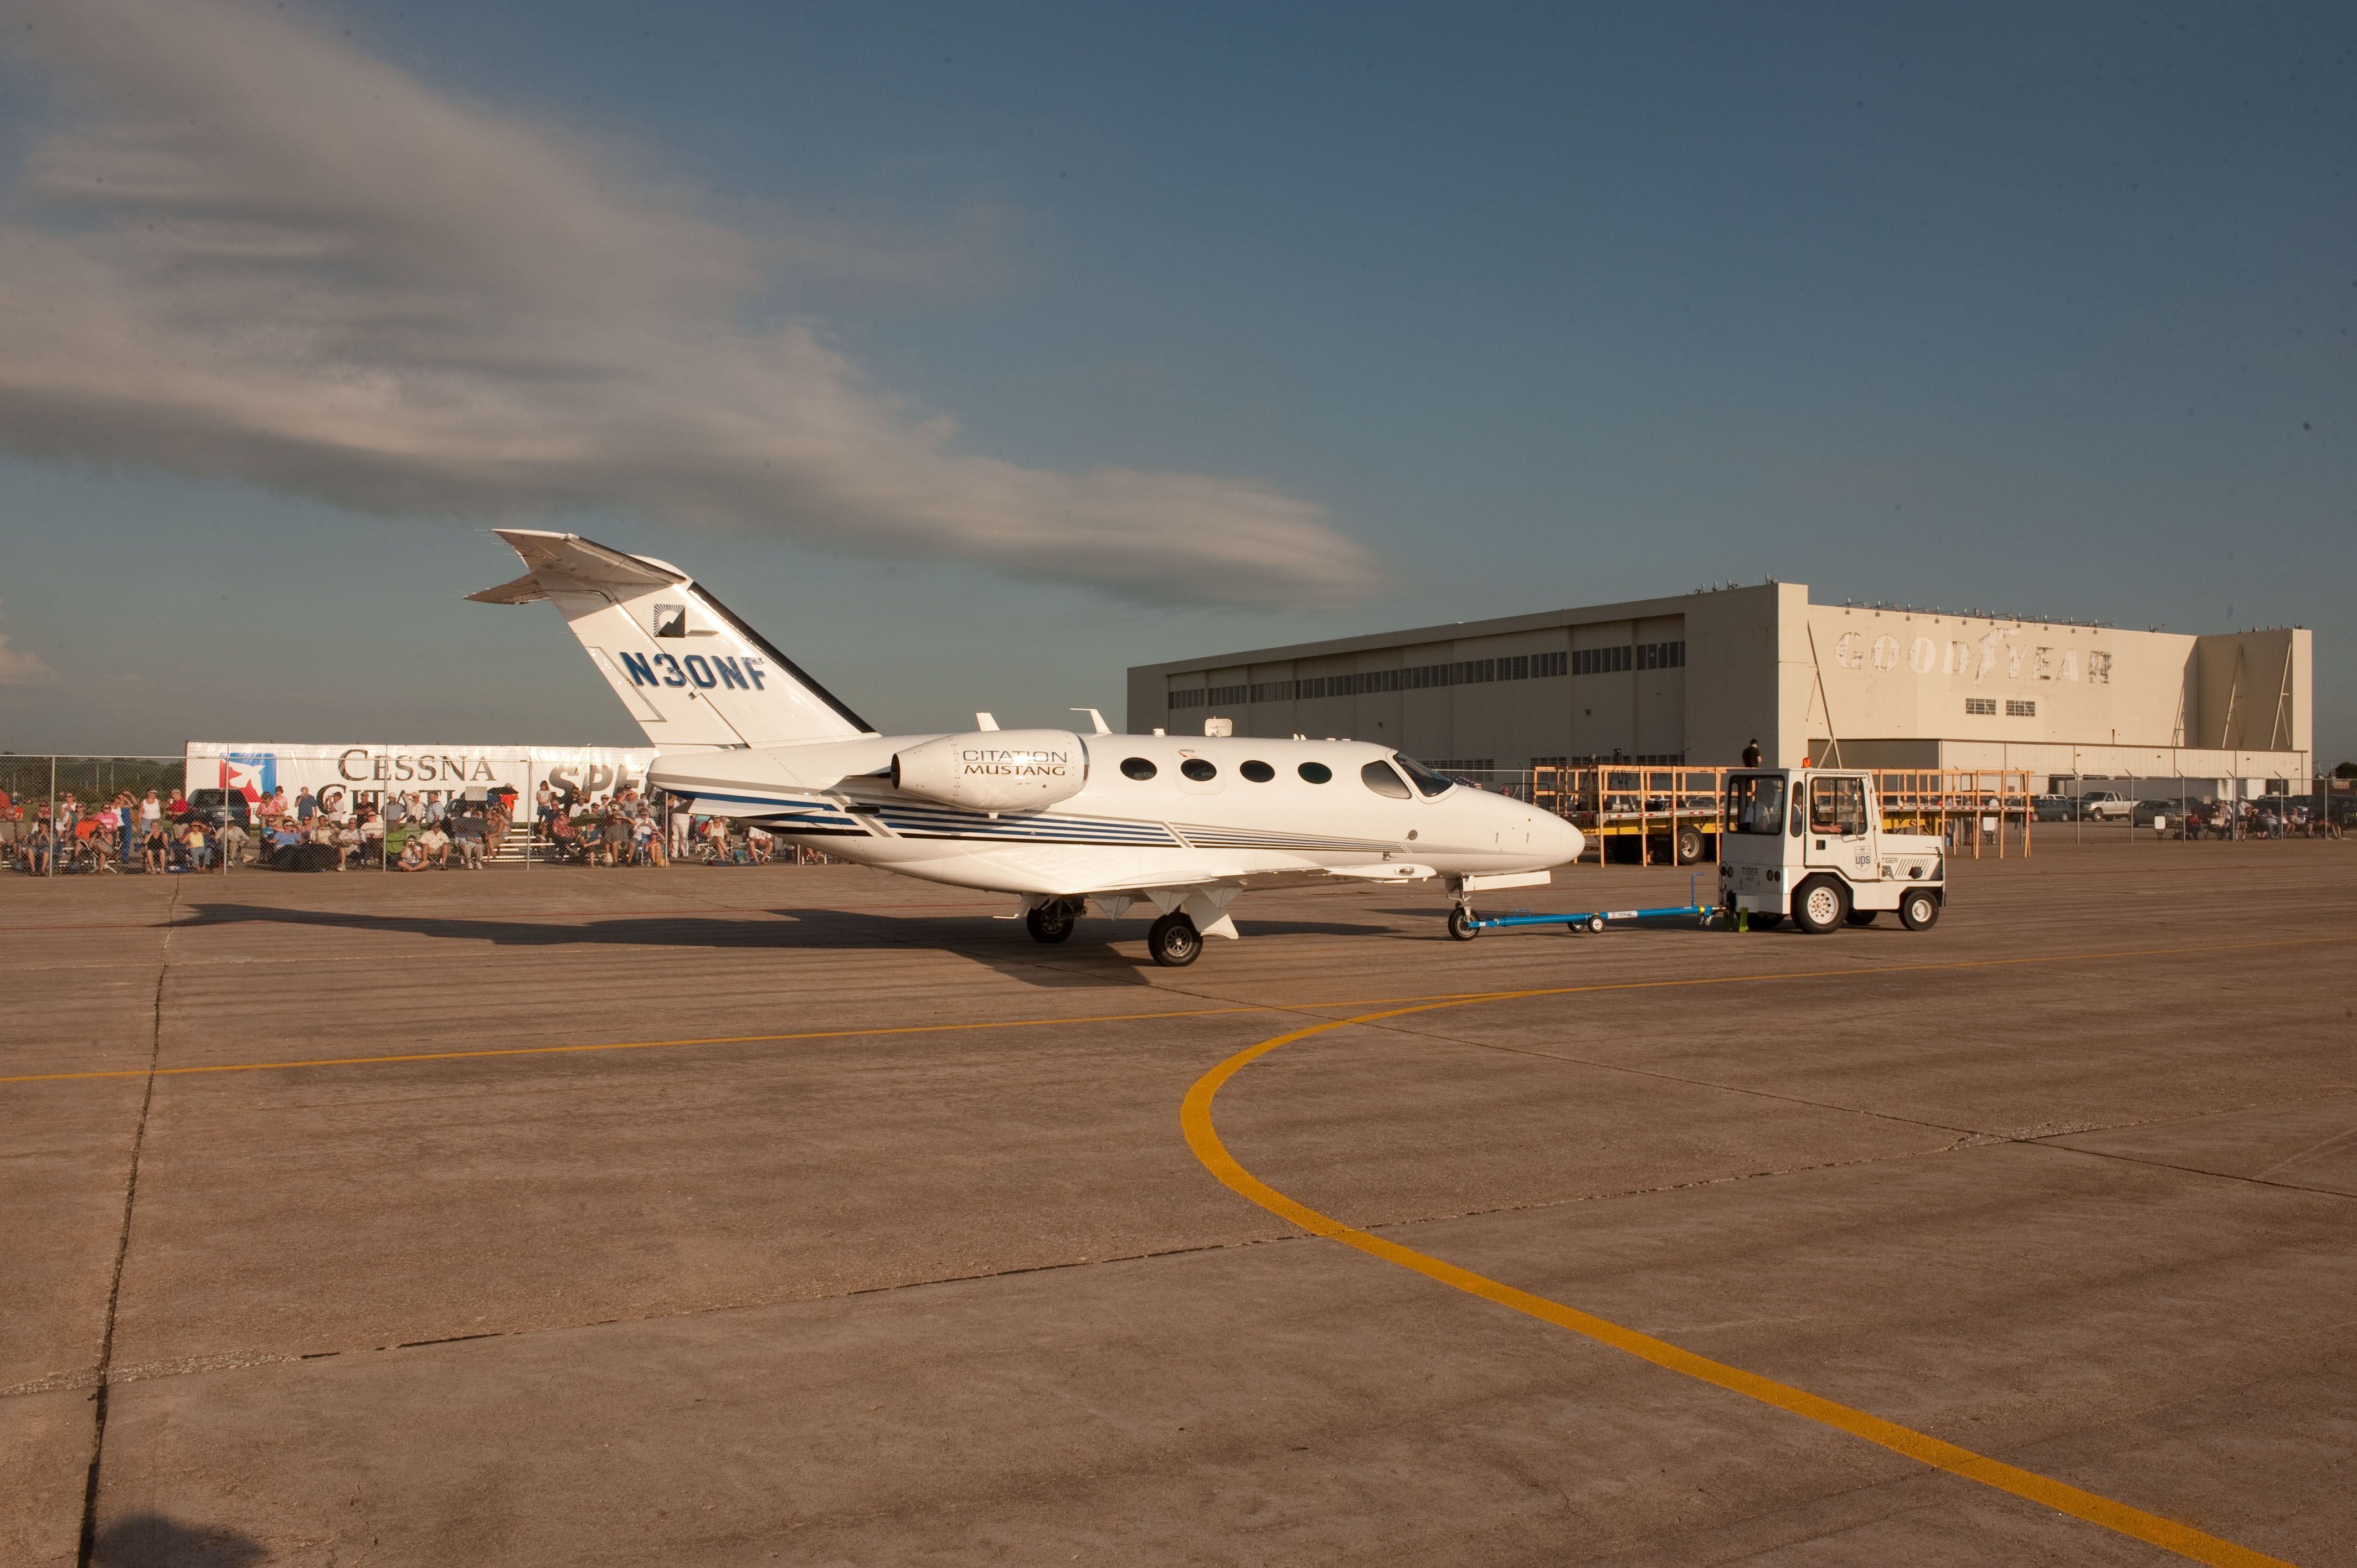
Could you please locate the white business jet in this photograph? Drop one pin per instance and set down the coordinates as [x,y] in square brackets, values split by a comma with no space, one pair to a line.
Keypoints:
[1054,817]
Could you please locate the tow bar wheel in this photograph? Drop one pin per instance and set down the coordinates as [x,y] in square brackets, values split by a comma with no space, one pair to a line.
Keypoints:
[1460,924]
[1821,906]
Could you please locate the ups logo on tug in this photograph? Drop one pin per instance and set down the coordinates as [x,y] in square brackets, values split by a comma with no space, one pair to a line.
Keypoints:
[1000,770]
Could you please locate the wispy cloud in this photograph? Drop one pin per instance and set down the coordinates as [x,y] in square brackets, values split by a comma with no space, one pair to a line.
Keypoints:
[245,248]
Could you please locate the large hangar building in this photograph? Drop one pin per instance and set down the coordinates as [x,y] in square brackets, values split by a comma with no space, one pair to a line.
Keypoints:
[1693,679]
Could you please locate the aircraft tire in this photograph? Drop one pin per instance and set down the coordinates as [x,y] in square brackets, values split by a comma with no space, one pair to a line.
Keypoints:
[1919,910]
[1460,924]
[1819,905]
[1173,940]
[1050,922]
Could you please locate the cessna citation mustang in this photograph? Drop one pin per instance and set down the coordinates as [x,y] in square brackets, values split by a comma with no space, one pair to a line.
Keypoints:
[1053,817]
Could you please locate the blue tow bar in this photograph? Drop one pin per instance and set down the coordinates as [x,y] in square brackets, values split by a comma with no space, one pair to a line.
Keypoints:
[1595,919]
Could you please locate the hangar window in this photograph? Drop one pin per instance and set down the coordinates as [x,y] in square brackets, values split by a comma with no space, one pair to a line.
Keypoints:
[1379,777]
[1314,772]
[1980,705]
[1198,769]
[1258,773]
[1137,767]
[1754,803]
[2016,709]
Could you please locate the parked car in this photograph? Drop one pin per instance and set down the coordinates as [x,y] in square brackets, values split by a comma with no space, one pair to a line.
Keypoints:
[2054,807]
[205,805]
[2103,805]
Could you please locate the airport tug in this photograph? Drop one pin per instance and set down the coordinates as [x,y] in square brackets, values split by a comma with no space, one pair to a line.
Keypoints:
[1808,842]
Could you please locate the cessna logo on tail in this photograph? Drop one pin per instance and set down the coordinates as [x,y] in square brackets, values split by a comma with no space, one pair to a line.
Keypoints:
[696,670]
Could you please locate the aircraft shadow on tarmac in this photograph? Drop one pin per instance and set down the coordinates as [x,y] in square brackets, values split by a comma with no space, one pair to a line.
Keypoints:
[158,1540]
[1087,959]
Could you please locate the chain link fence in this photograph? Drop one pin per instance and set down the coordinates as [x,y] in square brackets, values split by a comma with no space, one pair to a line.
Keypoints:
[2090,810]
[95,816]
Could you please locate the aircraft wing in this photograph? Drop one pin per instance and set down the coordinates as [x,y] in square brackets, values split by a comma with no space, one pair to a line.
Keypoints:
[1302,876]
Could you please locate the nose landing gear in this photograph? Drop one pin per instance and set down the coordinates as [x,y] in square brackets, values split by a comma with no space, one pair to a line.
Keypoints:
[1052,921]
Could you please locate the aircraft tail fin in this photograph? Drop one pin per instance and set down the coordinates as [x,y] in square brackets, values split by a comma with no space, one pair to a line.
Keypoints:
[690,673]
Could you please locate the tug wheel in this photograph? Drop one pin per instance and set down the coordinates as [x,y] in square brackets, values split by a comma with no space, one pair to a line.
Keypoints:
[1820,906]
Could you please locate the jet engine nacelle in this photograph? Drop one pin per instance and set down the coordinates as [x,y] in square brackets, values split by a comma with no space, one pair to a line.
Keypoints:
[995,770]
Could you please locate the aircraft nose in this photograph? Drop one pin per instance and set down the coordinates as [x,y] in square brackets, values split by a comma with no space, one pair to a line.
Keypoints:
[1555,838]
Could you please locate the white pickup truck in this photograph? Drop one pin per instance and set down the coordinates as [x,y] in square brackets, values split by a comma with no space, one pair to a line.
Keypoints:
[1808,842]
[2103,805]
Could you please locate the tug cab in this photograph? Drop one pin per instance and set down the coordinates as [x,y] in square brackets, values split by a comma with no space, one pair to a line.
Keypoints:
[1808,842]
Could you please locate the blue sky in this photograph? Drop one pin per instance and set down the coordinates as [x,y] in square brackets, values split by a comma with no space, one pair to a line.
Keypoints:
[976,353]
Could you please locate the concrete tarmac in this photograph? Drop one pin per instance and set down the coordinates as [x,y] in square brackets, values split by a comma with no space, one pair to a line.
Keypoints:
[812,1215]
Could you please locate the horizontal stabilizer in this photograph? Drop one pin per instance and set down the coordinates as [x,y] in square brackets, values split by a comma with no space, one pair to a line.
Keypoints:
[524,590]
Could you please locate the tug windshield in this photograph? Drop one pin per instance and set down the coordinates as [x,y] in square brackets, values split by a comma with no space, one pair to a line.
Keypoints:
[1754,803]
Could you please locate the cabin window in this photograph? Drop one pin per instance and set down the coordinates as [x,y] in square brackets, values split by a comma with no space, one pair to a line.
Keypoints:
[1837,806]
[1315,773]
[1754,803]
[1198,769]
[1137,767]
[1258,773]
[1379,777]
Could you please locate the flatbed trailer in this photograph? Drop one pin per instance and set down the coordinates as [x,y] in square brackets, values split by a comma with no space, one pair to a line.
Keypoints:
[1674,814]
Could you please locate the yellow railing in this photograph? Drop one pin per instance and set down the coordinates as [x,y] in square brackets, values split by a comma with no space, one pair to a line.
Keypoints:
[1683,808]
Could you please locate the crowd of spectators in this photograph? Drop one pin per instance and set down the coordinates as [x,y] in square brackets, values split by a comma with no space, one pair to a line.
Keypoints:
[152,834]
[2273,817]
[633,828]
[418,830]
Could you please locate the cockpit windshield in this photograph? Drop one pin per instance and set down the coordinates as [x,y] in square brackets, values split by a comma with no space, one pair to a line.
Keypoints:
[1430,783]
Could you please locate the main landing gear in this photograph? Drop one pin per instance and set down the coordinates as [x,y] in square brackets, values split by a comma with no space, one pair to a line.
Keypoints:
[1051,922]
[1173,940]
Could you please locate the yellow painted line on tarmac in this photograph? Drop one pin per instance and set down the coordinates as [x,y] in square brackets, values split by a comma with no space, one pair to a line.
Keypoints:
[1440,1000]
[631,1045]
[1203,1138]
